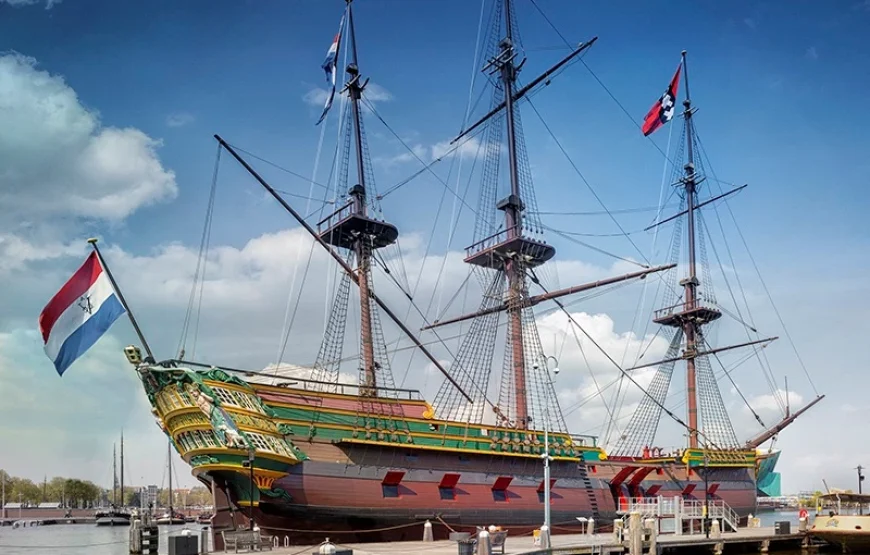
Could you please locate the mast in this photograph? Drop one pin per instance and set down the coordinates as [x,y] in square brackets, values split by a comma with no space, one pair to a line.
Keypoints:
[512,207]
[114,474]
[358,193]
[690,284]
[122,469]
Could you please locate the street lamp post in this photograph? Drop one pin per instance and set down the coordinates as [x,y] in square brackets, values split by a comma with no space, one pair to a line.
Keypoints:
[860,481]
[250,464]
[706,498]
[546,454]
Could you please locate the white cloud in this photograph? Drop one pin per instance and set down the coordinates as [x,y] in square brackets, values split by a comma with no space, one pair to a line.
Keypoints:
[16,252]
[18,3]
[179,119]
[768,403]
[465,148]
[94,172]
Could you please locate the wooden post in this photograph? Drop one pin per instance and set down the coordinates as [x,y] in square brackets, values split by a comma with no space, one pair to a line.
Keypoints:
[652,530]
[635,534]
[618,530]
[678,517]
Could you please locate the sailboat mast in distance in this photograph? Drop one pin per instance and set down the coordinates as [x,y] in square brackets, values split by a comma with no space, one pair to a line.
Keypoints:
[122,469]
[114,473]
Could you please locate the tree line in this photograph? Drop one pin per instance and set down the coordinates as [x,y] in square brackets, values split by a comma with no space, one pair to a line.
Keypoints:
[77,494]
[72,492]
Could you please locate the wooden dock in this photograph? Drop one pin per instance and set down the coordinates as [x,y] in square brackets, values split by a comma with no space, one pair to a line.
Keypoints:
[745,540]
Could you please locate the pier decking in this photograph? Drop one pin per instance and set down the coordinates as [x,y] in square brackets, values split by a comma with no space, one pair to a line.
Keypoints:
[571,544]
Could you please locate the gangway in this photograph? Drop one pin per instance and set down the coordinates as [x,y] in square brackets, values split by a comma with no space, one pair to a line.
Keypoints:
[681,511]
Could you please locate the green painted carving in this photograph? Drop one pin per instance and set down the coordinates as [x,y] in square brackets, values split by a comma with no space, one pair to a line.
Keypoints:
[284,429]
[219,375]
[199,460]
[277,493]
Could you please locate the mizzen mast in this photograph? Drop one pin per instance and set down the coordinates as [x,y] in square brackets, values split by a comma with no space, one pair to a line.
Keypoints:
[691,316]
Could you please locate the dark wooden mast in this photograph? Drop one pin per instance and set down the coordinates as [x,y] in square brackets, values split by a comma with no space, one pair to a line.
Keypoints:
[691,316]
[353,229]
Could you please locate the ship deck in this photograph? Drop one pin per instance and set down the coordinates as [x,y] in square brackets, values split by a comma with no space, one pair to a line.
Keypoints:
[576,544]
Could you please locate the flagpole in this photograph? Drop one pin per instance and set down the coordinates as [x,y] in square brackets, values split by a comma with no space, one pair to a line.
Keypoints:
[93,242]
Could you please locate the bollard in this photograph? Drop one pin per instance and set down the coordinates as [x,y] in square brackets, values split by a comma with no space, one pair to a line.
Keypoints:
[427,532]
[635,531]
[203,540]
[286,541]
[652,533]
[484,547]
[802,524]
[715,529]
[618,530]
[545,537]
[590,526]
[326,548]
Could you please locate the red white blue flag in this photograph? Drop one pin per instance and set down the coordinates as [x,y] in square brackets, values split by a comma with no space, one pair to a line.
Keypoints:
[329,65]
[79,314]
[663,110]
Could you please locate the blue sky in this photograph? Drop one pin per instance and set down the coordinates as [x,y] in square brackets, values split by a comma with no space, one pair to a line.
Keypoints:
[779,88]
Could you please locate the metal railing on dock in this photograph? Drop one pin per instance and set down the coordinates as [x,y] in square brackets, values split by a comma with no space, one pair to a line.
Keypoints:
[681,511]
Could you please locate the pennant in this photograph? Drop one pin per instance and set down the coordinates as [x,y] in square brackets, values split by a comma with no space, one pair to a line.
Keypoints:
[663,110]
[330,67]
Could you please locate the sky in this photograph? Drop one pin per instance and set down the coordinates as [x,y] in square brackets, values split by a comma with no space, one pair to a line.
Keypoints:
[107,117]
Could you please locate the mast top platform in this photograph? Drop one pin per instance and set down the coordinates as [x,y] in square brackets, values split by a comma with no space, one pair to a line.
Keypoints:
[495,250]
[345,227]
[676,316]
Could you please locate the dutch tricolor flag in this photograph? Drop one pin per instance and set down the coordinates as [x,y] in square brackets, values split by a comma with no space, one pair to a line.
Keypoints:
[329,66]
[84,308]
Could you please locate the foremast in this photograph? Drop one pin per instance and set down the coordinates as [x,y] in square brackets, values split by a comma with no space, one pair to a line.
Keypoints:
[351,228]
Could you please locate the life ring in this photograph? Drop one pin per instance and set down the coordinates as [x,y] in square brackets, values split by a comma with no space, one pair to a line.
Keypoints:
[803,513]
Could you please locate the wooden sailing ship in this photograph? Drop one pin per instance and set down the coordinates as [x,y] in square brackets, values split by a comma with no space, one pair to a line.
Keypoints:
[314,457]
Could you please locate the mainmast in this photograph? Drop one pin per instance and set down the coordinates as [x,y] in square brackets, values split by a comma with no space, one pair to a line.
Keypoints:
[351,228]
[505,254]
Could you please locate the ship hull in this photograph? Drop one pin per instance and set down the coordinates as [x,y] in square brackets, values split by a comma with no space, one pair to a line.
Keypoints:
[311,464]
[349,501]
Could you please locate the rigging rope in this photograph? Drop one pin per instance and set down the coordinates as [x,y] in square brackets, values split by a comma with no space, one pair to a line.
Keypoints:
[761,279]
[673,416]
[290,313]
[427,167]
[199,272]
[642,298]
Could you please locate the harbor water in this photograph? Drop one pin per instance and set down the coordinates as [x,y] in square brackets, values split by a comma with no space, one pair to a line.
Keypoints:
[78,539]
[87,539]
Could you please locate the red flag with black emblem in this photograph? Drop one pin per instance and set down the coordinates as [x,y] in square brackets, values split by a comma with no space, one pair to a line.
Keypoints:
[663,110]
